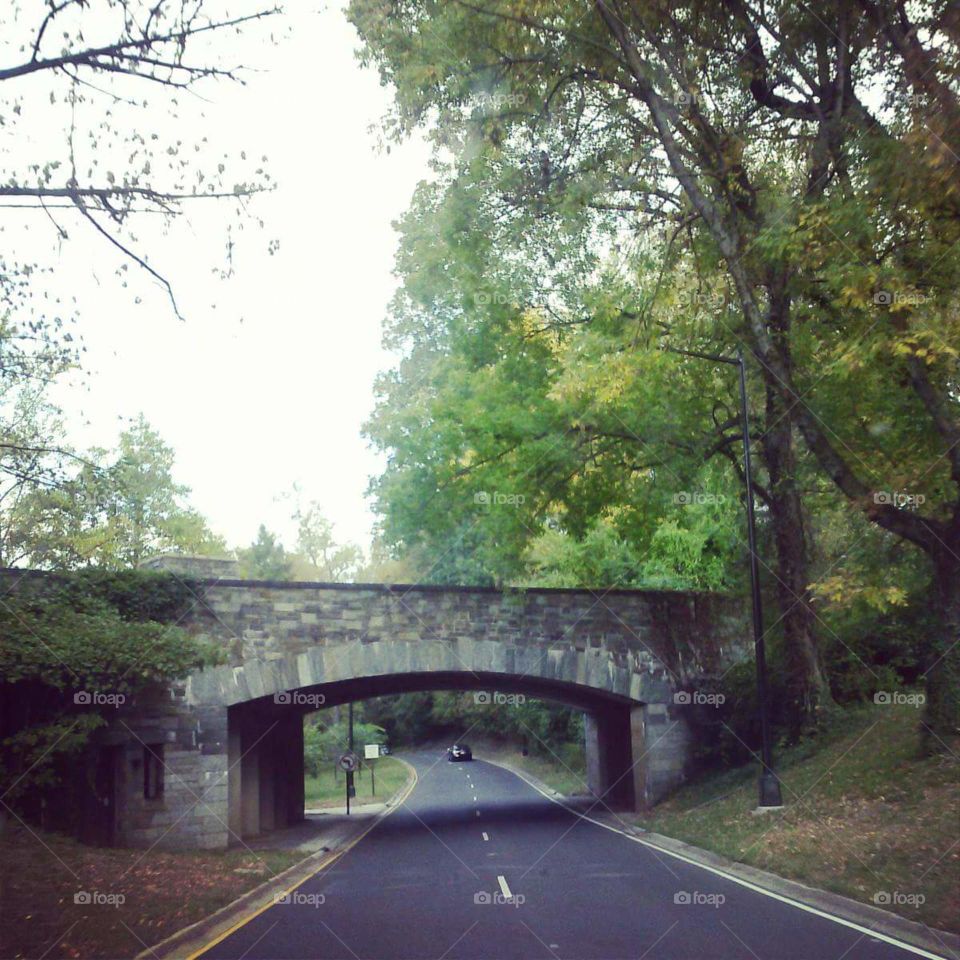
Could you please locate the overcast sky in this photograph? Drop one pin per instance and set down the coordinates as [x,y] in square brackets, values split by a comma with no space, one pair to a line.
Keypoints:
[270,378]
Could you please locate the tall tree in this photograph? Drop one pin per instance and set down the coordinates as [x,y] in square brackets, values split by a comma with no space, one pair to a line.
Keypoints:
[35,459]
[33,455]
[527,375]
[804,153]
[116,510]
[326,559]
[80,96]
[265,558]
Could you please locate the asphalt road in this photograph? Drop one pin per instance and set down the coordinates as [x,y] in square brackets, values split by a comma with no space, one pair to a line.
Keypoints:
[477,864]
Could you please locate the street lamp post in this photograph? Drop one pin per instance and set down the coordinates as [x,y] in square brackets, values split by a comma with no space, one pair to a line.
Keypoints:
[769,785]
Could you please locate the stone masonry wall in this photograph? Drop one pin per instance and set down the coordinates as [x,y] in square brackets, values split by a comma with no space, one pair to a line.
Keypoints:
[633,646]
[682,635]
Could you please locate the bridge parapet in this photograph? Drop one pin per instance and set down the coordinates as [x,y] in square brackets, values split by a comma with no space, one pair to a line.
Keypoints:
[687,635]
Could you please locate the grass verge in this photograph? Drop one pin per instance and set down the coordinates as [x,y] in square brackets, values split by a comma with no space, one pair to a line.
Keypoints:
[564,772]
[328,789]
[135,898]
[867,814]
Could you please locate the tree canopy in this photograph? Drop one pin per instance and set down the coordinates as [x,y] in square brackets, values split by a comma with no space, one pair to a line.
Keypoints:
[624,180]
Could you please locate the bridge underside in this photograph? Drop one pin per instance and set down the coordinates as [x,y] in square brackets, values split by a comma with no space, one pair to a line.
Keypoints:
[636,753]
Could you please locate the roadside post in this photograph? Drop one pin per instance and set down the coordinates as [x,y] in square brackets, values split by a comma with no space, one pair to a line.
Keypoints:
[770,795]
[348,763]
[351,791]
[371,751]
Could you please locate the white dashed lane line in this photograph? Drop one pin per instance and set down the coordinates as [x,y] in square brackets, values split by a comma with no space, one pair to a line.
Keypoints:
[485,837]
[504,888]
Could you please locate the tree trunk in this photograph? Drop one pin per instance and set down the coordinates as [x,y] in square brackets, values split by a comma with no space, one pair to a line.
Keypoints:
[807,688]
[942,672]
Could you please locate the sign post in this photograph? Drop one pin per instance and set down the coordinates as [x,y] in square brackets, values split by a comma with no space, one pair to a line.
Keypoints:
[350,790]
[370,752]
[348,763]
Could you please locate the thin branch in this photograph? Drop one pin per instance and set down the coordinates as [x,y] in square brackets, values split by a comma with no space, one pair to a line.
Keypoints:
[126,250]
[129,49]
[104,194]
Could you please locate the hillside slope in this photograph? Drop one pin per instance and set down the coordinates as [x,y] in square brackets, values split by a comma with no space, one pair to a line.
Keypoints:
[866,815]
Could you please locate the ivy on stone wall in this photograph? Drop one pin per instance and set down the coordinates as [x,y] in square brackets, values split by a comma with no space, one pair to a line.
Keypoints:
[137,595]
[75,650]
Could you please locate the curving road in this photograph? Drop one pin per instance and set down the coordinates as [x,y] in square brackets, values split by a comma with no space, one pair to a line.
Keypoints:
[477,864]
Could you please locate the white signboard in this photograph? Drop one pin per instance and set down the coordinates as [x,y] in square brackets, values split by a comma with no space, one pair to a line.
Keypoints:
[371,751]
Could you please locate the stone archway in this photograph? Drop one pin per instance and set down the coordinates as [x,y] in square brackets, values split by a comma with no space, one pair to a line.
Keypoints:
[227,733]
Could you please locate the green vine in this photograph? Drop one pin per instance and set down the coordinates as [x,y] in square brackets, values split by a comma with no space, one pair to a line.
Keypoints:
[75,649]
[137,595]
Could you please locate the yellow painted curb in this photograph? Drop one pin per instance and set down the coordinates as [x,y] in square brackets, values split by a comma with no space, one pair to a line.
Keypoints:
[324,864]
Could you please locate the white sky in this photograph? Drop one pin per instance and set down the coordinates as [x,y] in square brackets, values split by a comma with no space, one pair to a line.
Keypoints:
[251,407]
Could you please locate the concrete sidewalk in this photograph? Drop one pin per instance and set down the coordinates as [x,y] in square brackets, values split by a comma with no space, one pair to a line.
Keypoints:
[321,830]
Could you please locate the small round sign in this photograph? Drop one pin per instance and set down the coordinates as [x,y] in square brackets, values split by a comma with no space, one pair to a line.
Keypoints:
[349,762]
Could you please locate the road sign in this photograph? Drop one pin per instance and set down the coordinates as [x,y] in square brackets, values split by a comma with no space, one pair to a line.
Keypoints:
[349,762]
[371,751]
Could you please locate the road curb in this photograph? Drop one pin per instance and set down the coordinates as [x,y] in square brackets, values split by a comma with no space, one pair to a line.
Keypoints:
[882,921]
[941,943]
[198,937]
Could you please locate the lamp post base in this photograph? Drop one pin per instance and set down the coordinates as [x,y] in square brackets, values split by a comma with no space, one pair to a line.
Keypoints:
[769,787]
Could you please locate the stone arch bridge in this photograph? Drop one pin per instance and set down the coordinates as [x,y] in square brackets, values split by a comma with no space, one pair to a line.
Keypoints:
[230,739]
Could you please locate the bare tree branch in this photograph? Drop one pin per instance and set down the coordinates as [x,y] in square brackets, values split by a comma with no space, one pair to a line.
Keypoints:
[136,259]
[133,50]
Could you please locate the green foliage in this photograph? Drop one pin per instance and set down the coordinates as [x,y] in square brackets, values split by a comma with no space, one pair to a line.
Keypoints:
[73,652]
[615,182]
[318,555]
[406,718]
[326,737]
[118,508]
[684,558]
[265,558]
[33,454]
[876,611]
[601,558]
[692,547]
[504,426]
[137,595]
[866,653]
[327,788]
[541,726]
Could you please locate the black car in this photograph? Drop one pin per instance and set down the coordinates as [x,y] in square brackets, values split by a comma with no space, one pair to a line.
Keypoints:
[458,752]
